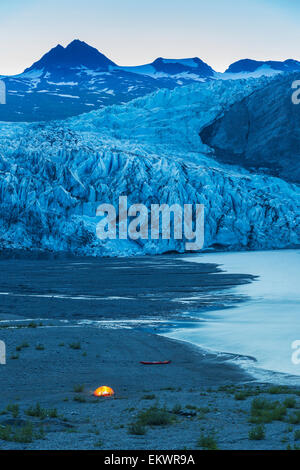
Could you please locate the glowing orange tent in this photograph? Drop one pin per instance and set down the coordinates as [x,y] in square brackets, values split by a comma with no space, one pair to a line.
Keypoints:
[104,391]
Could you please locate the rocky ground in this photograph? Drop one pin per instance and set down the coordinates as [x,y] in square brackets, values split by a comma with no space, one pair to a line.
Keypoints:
[197,401]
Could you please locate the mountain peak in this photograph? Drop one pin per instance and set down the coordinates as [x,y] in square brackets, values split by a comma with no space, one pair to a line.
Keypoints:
[250,65]
[77,45]
[77,53]
[77,42]
[176,66]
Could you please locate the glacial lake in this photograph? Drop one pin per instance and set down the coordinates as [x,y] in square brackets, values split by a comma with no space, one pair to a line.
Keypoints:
[265,325]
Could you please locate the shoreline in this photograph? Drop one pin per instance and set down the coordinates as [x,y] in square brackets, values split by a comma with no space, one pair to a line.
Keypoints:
[264,325]
[59,367]
[247,364]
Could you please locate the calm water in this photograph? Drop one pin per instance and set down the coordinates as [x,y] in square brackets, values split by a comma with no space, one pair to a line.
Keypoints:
[264,326]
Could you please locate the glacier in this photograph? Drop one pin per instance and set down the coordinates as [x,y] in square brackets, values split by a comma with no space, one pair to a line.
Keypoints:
[54,175]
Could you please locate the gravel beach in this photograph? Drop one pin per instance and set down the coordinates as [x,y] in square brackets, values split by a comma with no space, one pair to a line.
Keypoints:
[56,362]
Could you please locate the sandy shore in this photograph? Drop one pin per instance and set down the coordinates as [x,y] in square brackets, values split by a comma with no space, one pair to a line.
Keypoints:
[51,375]
[56,361]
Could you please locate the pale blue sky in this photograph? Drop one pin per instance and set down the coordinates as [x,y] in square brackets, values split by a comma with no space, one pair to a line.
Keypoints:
[132,32]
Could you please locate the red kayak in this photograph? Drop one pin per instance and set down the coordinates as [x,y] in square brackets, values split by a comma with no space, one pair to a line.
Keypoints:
[154,363]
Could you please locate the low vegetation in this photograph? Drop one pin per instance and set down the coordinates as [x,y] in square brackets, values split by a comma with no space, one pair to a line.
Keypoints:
[266,411]
[22,346]
[295,417]
[23,434]
[297,435]
[79,399]
[14,357]
[75,345]
[207,442]
[98,443]
[136,429]
[257,433]
[177,408]
[149,397]
[38,412]
[13,409]
[78,388]
[155,416]
[290,402]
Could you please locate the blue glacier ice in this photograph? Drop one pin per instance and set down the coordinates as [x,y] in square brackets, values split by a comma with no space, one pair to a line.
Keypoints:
[54,175]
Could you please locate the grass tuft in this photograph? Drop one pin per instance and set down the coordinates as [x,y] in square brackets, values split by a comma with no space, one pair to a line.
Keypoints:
[137,429]
[79,399]
[23,434]
[98,443]
[149,397]
[75,345]
[290,402]
[78,388]
[207,442]
[295,417]
[266,411]
[257,433]
[13,409]
[297,435]
[176,408]
[38,412]
[22,346]
[155,416]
